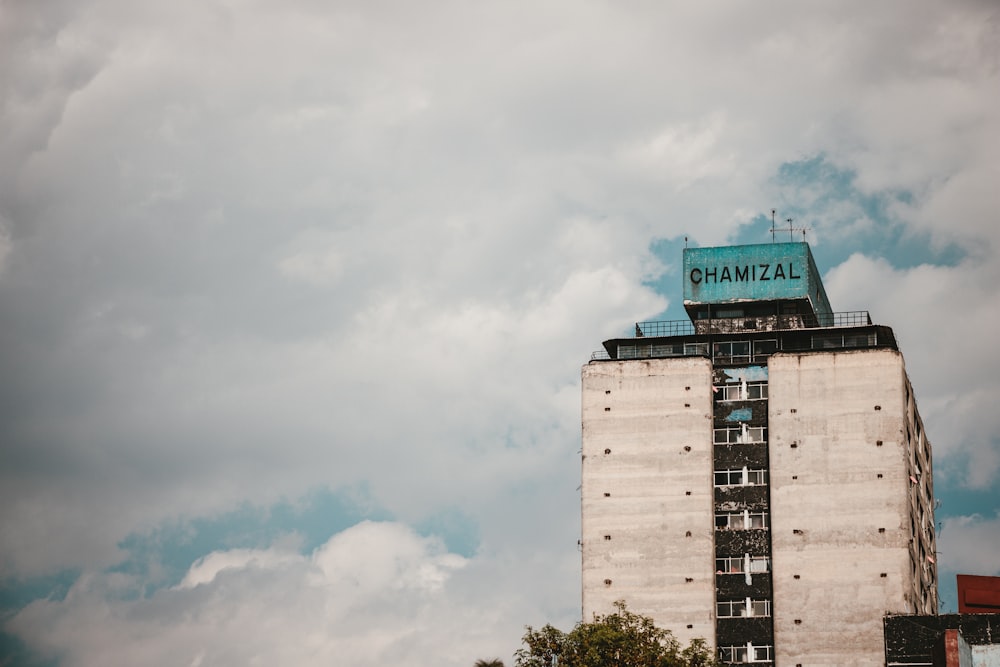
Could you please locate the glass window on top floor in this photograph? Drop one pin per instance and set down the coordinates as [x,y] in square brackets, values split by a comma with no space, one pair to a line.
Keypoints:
[735,351]
[831,341]
[859,340]
[827,341]
[649,351]
[692,349]
[764,348]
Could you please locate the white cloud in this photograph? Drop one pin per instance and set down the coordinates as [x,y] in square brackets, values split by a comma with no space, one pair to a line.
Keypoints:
[318,259]
[969,544]
[937,313]
[374,594]
[207,568]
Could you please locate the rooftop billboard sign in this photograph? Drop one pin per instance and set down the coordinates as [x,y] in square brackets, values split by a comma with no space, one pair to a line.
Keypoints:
[763,272]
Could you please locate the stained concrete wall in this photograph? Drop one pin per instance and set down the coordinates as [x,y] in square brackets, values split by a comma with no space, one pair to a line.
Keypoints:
[648,517]
[985,656]
[840,509]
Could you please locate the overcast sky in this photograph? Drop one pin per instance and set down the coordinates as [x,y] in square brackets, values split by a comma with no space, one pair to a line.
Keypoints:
[294,296]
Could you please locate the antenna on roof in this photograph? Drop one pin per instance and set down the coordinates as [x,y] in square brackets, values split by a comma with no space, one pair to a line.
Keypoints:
[791,230]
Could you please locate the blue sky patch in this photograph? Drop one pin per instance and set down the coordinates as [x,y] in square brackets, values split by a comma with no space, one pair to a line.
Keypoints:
[459,531]
[161,557]
[15,594]
[826,200]
[840,218]
[13,651]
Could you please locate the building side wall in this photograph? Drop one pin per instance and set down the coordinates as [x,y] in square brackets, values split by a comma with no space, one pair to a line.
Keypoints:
[841,518]
[647,495]
[923,545]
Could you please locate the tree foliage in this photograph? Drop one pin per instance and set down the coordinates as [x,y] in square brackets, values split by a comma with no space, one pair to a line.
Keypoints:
[620,639]
[492,662]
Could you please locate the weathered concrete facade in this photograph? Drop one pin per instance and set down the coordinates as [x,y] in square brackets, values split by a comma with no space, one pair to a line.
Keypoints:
[844,520]
[647,491]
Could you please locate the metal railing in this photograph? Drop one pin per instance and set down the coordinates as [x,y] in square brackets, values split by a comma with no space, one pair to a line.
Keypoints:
[664,328]
[852,318]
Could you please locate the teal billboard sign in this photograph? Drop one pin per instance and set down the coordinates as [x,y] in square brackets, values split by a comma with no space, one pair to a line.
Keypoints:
[764,272]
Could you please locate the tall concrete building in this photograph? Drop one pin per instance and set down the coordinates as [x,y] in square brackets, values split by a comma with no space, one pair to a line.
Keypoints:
[759,475]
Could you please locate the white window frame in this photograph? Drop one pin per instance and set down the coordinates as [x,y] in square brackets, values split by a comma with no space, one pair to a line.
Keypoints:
[733,654]
[742,477]
[741,435]
[746,608]
[746,654]
[744,520]
[738,564]
[743,391]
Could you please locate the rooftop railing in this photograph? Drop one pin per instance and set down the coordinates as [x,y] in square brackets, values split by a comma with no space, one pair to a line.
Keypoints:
[852,318]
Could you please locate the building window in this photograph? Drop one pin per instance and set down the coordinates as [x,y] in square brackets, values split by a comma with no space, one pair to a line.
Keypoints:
[744,391]
[737,351]
[741,434]
[742,477]
[831,341]
[649,351]
[744,520]
[733,653]
[861,340]
[745,654]
[742,564]
[743,608]
[763,348]
[695,349]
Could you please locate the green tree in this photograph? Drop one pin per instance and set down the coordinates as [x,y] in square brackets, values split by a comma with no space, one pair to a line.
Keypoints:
[620,639]
[493,662]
